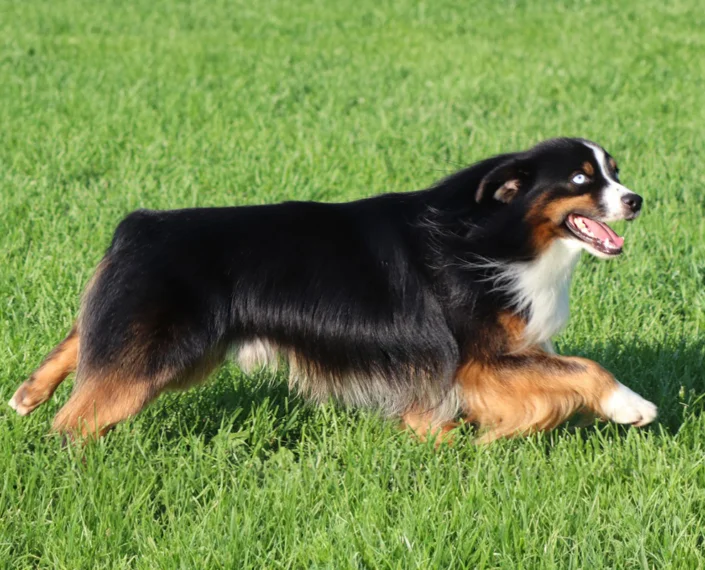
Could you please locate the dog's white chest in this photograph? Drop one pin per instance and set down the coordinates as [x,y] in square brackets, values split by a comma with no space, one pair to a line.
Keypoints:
[541,288]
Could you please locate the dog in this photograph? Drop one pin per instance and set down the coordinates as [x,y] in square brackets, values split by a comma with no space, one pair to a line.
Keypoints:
[430,306]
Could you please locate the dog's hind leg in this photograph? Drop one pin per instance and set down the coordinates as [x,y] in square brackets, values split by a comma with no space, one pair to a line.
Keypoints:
[58,364]
[102,399]
[98,403]
[537,391]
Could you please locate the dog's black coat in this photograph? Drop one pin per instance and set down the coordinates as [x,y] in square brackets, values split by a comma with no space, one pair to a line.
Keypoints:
[380,288]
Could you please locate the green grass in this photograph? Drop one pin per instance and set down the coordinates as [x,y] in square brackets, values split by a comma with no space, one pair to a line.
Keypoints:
[110,106]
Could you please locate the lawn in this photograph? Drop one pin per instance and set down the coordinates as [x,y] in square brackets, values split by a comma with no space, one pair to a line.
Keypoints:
[110,106]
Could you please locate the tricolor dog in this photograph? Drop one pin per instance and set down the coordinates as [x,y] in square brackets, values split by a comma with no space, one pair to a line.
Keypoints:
[429,306]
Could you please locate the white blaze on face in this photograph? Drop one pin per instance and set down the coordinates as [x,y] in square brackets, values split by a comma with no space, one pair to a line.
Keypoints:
[613,192]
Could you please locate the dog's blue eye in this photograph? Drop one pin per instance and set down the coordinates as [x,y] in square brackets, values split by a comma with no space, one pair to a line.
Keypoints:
[579,179]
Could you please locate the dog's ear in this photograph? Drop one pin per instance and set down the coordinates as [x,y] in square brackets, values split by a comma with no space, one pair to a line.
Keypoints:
[503,182]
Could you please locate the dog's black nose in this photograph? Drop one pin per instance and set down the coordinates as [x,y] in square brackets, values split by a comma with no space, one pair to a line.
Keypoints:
[633,201]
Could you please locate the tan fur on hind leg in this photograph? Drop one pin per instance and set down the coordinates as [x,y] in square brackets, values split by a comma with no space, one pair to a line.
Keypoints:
[97,404]
[102,399]
[45,380]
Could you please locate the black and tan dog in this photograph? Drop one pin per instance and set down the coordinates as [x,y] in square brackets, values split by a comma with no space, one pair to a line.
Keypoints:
[428,305]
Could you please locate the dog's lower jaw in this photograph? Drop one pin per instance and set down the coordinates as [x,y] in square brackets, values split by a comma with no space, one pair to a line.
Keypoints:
[624,406]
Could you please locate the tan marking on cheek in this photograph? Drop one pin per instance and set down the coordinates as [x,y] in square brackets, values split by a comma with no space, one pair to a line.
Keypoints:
[547,217]
[544,229]
[543,236]
[588,168]
[557,210]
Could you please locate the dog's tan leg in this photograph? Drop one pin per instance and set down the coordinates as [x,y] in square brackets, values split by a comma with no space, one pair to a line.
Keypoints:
[424,426]
[53,371]
[538,391]
[97,404]
[101,400]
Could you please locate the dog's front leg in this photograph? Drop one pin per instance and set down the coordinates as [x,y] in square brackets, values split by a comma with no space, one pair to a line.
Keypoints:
[536,391]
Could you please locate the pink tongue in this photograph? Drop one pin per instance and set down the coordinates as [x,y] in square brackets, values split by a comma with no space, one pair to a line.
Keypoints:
[602,231]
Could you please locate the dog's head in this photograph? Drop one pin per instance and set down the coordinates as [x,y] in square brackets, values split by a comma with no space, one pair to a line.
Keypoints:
[564,188]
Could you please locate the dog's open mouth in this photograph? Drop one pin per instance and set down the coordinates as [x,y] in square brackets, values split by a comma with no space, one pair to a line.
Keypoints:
[596,234]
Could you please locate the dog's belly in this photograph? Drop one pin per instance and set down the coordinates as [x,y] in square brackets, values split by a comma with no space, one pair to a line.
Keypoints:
[354,388]
[256,354]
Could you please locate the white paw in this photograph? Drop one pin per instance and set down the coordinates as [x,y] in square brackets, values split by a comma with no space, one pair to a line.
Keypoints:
[19,408]
[625,406]
[20,403]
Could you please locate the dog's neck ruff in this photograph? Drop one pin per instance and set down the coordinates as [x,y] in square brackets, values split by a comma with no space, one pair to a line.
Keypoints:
[540,289]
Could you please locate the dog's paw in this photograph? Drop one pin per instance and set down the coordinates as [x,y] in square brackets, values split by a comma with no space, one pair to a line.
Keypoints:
[23,401]
[625,406]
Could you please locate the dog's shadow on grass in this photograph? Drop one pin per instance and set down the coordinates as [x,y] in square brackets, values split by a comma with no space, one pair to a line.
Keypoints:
[262,406]
[254,406]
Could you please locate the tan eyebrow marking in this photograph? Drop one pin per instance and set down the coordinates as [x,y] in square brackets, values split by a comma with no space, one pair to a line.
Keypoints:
[588,168]
[613,164]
